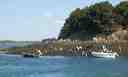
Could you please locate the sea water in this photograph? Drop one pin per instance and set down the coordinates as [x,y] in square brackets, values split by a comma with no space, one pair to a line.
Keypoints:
[60,66]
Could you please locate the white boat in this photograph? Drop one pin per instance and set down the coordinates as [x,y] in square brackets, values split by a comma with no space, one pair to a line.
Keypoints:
[105,53]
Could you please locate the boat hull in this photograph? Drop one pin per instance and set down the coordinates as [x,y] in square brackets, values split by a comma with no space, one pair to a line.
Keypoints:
[30,56]
[104,55]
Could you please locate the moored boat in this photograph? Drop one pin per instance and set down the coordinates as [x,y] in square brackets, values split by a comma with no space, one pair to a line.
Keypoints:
[105,53]
[32,55]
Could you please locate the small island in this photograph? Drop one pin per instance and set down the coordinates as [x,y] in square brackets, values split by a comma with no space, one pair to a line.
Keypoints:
[86,29]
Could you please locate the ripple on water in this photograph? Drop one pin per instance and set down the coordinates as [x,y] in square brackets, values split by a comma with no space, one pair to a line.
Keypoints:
[60,66]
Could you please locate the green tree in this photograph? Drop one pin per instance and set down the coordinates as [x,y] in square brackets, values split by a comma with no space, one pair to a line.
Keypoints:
[95,19]
[122,10]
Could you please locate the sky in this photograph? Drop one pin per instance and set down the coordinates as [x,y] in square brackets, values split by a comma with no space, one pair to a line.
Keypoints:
[32,20]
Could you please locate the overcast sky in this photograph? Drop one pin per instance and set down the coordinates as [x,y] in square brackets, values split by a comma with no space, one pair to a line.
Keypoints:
[36,19]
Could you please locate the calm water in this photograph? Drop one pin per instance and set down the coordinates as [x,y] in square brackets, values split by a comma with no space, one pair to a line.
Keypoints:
[16,66]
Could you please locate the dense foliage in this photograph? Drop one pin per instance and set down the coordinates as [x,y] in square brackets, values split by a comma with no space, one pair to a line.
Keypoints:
[97,19]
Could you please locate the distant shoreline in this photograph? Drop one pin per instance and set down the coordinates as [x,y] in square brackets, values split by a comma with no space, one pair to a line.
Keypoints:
[69,48]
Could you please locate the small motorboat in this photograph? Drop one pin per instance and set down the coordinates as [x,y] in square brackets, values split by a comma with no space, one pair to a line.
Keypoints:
[32,55]
[105,53]
[29,55]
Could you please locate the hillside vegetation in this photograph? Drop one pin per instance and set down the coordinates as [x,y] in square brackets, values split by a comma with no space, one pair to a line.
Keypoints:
[100,19]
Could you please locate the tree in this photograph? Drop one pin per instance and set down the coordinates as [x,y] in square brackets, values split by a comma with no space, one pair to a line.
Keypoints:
[93,20]
[122,10]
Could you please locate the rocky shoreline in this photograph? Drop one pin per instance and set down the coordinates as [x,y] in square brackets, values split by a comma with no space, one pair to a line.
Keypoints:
[70,48]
